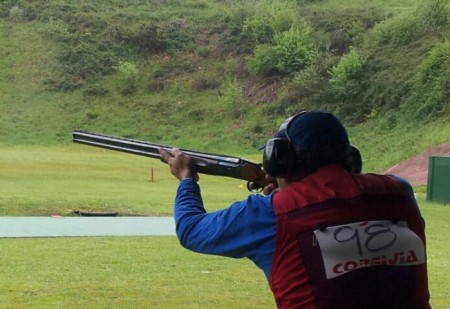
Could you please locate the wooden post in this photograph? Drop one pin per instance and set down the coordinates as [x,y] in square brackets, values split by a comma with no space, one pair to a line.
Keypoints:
[152,179]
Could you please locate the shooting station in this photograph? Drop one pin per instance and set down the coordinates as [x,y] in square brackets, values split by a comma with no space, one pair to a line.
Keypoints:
[438,187]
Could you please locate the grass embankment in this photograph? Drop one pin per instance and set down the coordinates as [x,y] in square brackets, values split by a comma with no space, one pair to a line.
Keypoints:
[75,65]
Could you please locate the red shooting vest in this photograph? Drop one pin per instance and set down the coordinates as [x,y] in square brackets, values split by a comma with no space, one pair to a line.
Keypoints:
[362,213]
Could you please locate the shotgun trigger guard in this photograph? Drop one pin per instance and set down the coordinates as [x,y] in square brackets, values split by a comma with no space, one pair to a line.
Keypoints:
[252,189]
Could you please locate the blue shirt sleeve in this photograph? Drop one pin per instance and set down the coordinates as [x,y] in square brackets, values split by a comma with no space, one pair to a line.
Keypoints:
[245,229]
[411,193]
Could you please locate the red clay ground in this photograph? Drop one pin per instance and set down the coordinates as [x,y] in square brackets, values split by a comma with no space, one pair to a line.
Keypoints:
[415,170]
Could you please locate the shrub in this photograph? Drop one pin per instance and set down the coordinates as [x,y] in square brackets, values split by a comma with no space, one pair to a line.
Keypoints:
[205,80]
[432,84]
[96,90]
[16,13]
[295,49]
[264,61]
[433,13]
[85,59]
[58,30]
[232,40]
[311,84]
[233,98]
[436,64]
[268,18]
[5,7]
[291,51]
[82,57]
[178,36]
[149,38]
[401,29]
[258,29]
[283,15]
[406,27]
[346,74]
[128,76]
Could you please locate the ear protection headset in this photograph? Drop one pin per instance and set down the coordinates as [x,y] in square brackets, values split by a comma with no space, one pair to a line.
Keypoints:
[281,156]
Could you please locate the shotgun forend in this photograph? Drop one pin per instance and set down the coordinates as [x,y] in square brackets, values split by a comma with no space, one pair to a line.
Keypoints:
[205,163]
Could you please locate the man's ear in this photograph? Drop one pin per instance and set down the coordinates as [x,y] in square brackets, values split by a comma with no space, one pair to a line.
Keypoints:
[277,157]
[354,159]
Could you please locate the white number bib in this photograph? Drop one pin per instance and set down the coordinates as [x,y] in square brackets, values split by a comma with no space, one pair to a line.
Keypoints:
[363,244]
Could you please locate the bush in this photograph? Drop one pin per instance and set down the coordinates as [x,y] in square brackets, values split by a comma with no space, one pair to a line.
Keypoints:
[149,38]
[279,15]
[291,51]
[128,76]
[254,22]
[401,29]
[311,85]
[59,31]
[96,90]
[258,29]
[16,13]
[436,65]
[264,61]
[82,57]
[87,59]
[178,36]
[232,97]
[205,80]
[346,75]
[433,13]
[5,7]
[406,27]
[295,49]
[432,84]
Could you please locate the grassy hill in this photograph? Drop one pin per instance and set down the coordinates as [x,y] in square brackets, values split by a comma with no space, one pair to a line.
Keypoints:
[221,76]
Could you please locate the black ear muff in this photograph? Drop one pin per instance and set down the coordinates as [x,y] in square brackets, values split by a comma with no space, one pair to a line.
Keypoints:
[277,157]
[354,159]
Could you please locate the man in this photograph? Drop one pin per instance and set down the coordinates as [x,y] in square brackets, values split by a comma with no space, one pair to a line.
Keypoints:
[324,235]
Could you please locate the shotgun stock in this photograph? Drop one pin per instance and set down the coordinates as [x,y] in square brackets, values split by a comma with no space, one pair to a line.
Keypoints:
[205,163]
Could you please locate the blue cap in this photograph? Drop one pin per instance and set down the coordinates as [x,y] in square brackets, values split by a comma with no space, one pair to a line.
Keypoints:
[307,128]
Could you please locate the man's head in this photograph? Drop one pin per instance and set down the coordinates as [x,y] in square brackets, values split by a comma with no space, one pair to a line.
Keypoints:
[306,142]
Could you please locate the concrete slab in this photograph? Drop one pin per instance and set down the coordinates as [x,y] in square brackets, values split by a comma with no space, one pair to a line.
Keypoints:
[86,226]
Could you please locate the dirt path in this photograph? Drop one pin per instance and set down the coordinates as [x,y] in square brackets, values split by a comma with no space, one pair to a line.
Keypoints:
[415,170]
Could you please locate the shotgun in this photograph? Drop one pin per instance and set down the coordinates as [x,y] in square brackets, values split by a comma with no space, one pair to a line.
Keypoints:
[205,163]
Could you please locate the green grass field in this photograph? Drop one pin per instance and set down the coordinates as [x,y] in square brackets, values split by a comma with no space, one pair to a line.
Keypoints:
[136,272]
[155,272]
[58,180]
[123,272]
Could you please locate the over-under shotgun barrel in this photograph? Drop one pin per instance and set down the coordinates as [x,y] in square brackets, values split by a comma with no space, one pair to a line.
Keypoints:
[205,163]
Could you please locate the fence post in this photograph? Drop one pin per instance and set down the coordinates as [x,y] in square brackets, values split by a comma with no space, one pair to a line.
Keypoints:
[152,174]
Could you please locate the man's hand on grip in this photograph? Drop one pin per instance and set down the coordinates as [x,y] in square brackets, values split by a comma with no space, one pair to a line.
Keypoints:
[181,165]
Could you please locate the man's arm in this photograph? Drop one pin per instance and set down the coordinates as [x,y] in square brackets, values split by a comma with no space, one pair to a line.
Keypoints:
[245,229]
[411,193]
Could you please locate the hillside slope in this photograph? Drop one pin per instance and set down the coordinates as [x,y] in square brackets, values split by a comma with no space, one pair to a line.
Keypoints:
[221,76]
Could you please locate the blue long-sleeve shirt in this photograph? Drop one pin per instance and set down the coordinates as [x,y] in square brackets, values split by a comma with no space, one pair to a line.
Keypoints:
[245,229]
